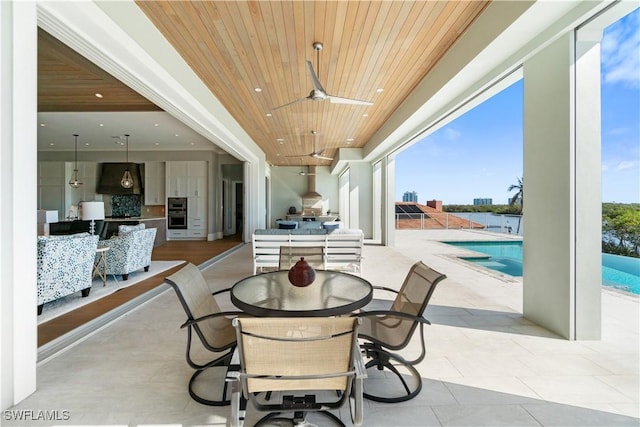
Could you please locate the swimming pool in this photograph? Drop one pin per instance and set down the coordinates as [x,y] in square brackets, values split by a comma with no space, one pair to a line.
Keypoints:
[618,272]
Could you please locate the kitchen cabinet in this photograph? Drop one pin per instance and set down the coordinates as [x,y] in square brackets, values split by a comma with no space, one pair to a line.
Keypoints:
[176,179]
[54,191]
[51,187]
[196,186]
[196,217]
[154,183]
[176,234]
[88,175]
[189,179]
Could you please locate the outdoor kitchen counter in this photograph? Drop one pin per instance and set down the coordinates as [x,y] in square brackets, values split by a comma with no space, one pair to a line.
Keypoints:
[159,222]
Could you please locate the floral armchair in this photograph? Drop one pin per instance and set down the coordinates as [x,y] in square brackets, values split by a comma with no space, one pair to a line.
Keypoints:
[65,266]
[129,252]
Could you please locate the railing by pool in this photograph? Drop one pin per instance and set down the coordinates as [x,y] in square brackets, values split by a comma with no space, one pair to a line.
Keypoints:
[508,224]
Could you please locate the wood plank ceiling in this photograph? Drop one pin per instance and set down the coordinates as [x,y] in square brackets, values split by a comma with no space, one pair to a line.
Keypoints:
[67,81]
[372,50]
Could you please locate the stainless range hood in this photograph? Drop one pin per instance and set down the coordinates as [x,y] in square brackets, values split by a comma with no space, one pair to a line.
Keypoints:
[312,200]
[111,174]
[311,185]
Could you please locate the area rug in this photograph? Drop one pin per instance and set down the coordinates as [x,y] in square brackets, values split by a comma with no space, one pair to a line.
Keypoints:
[71,302]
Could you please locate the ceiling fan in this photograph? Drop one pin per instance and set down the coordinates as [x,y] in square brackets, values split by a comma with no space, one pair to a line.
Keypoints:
[318,93]
[315,154]
[302,171]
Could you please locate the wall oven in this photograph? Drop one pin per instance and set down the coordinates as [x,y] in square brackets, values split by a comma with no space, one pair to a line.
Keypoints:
[177,213]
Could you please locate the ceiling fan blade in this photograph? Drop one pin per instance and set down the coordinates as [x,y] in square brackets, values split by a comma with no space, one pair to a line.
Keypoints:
[303,155]
[291,103]
[314,79]
[319,155]
[339,100]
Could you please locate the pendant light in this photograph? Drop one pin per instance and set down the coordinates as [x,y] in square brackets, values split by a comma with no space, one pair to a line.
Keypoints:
[127,179]
[75,181]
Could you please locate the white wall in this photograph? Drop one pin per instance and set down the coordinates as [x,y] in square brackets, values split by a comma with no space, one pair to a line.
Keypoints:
[18,133]
[287,188]
[560,258]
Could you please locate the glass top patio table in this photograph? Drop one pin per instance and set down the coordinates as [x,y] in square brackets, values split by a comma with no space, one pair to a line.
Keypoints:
[271,294]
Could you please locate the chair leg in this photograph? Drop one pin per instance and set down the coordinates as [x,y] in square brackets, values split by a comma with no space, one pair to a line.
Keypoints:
[298,419]
[85,292]
[125,276]
[40,307]
[222,361]
[382,360]
[146,268]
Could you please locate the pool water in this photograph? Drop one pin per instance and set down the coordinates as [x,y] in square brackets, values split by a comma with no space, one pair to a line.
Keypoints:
[618,272]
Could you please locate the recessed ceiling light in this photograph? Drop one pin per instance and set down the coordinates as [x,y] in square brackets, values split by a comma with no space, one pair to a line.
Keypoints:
[277,154]
[379,90]
[269,114]
[157,143]
[42,124]
[177,134]
[193,143]
[86,143]
[52,144]
[98,95]
[101,124]
[365,115]
[156,124]
[258,89]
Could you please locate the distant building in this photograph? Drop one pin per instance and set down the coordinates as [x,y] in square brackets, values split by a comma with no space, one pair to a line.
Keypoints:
[410,196]
[481,202]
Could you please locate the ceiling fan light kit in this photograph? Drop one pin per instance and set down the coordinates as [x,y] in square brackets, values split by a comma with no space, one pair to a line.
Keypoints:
[314,154]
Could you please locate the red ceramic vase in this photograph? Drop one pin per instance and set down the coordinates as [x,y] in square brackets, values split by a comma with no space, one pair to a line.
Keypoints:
[302,274]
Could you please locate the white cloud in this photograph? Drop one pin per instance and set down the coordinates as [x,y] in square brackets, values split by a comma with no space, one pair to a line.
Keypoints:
[620,50]
[618,131]
[452,134]
[624,165]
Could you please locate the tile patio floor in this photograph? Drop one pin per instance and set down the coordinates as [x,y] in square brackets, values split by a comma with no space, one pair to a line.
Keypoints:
[486,365]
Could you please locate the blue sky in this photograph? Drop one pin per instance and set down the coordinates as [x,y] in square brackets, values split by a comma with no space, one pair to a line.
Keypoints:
[477,156]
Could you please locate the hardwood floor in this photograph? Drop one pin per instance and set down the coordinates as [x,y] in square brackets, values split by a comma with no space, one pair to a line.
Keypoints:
[195,252]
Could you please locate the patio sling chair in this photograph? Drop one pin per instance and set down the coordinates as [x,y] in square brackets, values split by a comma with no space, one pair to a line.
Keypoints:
[289,255]
[384,331]
[293,357]
[211,325]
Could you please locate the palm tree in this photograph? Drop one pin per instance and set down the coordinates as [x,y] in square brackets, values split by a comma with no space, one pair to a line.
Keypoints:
[517,198]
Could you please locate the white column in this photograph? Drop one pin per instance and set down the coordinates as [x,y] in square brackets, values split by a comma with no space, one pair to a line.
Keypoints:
[18,159]
[589,195]
[361,197]
[562,198]
[388,201]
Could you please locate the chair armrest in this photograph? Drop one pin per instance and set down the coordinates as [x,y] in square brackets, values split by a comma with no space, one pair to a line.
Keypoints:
[384,288]
[211,316]
[357,393]
[389,313]
[221,291]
